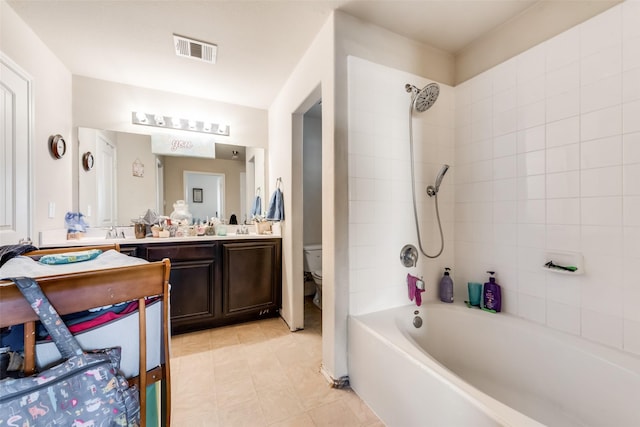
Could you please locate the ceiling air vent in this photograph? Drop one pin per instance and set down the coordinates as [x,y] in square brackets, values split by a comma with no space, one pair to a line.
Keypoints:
[195,49]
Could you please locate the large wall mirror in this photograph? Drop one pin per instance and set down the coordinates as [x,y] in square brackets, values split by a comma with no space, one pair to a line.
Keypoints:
[126,179]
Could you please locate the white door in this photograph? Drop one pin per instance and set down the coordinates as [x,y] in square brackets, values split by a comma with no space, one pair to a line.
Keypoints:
[15,143]
[106,181]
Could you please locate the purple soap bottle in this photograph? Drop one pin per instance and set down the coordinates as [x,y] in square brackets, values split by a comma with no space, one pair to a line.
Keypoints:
[492,296]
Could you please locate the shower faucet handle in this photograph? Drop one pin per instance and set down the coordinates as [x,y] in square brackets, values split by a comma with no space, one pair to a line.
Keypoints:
[409,256]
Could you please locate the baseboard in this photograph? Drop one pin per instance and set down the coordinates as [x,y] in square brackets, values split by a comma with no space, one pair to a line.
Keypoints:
[342,382]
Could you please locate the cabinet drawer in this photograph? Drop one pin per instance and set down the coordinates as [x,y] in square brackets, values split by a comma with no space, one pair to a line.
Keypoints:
[181,252]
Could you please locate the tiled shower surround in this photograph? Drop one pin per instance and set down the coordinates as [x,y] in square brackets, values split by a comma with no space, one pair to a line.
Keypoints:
[546,158]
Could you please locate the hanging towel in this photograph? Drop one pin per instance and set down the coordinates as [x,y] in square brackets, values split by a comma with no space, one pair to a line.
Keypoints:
[257,207]
[276,206]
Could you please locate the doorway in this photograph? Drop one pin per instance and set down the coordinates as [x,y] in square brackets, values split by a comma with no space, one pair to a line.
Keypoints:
[204,193]
[312,211]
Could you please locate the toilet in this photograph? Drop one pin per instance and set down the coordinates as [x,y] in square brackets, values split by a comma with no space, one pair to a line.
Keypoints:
[313,265]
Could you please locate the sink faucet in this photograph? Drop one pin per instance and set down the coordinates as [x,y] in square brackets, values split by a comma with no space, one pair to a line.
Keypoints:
[112,233]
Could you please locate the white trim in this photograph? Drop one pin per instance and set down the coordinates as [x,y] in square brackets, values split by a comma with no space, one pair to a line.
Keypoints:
[7,61]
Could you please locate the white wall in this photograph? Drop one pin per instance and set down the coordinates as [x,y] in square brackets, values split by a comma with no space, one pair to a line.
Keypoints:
[313,77]
[381,219]
[312,158]
[548,158]
[52,178]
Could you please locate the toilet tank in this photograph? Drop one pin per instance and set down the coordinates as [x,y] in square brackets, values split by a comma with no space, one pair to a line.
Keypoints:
[313,257]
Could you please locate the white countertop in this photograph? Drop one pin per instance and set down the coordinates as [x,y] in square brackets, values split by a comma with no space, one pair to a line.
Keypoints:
[58,238]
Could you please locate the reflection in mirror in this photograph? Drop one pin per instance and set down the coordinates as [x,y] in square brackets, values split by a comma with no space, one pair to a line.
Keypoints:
[204,193]
[123,185]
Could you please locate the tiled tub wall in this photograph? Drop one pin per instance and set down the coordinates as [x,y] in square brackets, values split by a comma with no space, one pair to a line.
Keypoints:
[380,206]
[547,150]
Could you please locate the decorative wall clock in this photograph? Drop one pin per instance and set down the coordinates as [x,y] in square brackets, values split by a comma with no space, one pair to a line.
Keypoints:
[88,161]
[57,145]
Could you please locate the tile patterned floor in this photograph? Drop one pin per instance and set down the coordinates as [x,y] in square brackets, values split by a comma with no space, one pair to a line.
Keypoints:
[259,374]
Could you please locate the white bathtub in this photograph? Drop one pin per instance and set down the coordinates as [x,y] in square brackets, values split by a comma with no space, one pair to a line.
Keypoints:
[466,367]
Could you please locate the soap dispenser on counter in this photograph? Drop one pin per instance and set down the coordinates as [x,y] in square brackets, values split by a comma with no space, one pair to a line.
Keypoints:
[492,296]
[445,290]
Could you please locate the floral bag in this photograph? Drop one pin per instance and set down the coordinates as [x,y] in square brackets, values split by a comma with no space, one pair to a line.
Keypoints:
[86,390]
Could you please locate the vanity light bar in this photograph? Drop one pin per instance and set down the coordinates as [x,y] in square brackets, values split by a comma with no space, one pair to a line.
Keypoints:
[157,120]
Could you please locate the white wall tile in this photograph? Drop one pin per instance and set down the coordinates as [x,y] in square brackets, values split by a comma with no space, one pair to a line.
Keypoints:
[531,211]
[601,123]
[601,211]
[601,152]
[531,187]
[562,132]
[563,317]
[563,159]
[631,242]
[631,53]
[505,212]
[531,115]
[602,328]
[563,211]
[531,91]
[505,122]
[564,289]
[601,182]
[506,235]
[563,79]
[532,163]
[563,238]
[563,105]
[504,167]
[603,64]
[631,148]
[531,139]
[563,185]
[631,211]
[505,100]
[601,94]
[631,336]
[505,145]
[506,189]
[630,115]
[532,235]
[601,240]
[532,308]
[631,85]
[576,187]
[631,179]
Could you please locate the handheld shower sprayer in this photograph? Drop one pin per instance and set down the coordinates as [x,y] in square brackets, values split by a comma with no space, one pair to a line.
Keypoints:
[421,101]
[432,190]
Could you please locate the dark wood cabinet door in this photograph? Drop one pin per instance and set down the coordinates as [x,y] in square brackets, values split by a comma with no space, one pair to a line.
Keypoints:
[193,284]
[251,278]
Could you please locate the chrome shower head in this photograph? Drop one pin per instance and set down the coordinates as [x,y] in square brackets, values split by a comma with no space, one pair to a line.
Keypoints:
[423,99]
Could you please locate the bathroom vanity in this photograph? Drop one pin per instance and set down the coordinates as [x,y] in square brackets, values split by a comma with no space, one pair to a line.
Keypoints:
[216,281]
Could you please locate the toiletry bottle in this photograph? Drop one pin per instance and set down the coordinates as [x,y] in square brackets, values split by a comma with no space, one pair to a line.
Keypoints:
[446,287]
[492,295]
